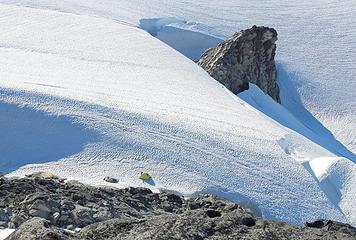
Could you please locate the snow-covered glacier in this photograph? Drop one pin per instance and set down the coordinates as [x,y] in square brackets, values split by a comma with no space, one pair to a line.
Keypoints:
[85,93]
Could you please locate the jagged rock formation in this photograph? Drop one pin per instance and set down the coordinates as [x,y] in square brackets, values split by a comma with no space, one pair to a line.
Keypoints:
[246,57]
[42,208]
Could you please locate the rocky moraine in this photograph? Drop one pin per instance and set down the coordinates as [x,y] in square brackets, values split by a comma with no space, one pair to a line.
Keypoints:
[46,207]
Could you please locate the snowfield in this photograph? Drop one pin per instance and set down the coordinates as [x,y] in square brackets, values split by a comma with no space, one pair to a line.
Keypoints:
[85,93]
[4,233]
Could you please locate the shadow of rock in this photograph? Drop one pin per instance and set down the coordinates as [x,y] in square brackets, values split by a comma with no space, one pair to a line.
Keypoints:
[290,98]
[181,35]
[241,200]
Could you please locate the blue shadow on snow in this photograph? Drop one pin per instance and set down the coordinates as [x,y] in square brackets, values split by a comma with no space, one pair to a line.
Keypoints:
[29,136]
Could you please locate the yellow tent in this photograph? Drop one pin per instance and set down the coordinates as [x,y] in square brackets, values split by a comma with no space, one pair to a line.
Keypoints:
[145,176]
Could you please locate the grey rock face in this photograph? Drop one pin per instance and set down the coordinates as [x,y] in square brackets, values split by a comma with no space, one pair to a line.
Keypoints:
[39,228]
[246,57]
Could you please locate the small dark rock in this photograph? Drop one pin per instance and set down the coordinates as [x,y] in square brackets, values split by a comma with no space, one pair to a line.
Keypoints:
[213,213]
[332,226]
[248,221]
[139,190]
[110,180]
[316,224]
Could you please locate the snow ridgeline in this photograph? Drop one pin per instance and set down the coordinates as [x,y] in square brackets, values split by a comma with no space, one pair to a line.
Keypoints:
[148,108]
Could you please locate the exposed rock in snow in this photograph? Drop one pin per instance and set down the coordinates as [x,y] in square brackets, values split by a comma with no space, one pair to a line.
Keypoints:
[248,56]
[110,180]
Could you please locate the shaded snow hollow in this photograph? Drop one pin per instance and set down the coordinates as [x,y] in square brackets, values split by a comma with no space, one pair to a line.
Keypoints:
[143,106]
[188,38]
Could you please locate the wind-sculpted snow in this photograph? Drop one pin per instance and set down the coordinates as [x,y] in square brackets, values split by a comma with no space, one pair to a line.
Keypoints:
[148,108]
[187,38]
[312,129]
[319,58]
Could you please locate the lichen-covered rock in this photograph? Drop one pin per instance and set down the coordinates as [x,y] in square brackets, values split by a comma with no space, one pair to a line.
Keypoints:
[246,57]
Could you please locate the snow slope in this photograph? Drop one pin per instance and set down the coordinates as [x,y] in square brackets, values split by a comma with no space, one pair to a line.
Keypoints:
[4,233]
[83,71]
[317,60]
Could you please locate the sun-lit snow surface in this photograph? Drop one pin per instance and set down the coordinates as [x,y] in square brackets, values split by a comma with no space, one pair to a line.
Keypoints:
[316,46]
[4,233]
[143,106]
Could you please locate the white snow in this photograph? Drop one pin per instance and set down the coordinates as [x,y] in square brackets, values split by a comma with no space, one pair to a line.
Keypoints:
[317,60]
[85,93]
[188,38]
[308,127]
[335,175]
[4,233]
[337,178]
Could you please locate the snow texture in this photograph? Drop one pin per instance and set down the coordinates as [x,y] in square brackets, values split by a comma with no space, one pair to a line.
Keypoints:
[86,93]
[187,38]
[4,233]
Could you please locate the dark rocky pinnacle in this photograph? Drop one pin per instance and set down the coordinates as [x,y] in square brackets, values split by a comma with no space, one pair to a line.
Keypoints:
[246,57]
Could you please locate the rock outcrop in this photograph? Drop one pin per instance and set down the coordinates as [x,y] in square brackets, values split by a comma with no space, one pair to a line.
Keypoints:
[45,208]
[39,228]
[200,224]
[246,57]
[73,205]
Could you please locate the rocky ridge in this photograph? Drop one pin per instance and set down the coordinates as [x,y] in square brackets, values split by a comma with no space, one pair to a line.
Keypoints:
[49,208]
[246,57]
